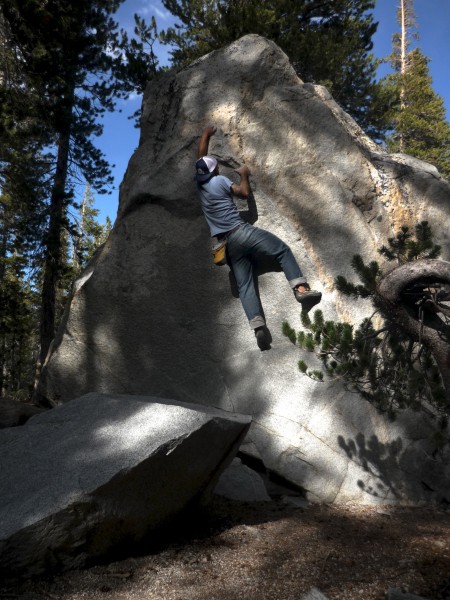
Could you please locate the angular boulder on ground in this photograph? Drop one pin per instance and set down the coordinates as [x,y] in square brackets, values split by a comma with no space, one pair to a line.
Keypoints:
[104,473]
[151,313]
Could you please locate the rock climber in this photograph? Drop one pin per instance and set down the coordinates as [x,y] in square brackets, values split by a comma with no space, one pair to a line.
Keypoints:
[244,242]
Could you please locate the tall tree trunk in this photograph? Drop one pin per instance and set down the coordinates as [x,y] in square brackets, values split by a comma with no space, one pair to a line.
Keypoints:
[2,363]
[406,19]
[3,249]
[52,266]
[403,45]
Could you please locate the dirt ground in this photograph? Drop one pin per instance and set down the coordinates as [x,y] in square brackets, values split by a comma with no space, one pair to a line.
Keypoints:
[269,550]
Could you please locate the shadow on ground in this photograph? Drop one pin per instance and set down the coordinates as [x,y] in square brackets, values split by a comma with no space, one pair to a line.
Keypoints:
[269,550]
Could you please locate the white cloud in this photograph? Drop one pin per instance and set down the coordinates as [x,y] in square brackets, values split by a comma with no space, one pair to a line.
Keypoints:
[154,8]
[162,14]
[132,97]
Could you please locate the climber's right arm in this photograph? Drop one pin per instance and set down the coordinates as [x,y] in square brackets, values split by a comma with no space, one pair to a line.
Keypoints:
[203,144]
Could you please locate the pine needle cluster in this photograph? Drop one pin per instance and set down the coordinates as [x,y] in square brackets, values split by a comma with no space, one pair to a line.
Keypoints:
[380,362]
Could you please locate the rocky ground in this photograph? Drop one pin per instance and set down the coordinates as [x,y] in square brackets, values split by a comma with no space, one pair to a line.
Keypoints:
[273,551]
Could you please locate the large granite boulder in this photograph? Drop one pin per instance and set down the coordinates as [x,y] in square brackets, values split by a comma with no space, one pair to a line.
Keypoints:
[152,314]
[103,473]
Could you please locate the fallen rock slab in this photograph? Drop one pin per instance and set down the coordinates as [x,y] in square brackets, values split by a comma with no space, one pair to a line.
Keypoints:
[103,473]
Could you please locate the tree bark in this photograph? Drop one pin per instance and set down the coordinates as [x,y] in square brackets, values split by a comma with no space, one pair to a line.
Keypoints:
[52,264]
[3,253]
[432,331]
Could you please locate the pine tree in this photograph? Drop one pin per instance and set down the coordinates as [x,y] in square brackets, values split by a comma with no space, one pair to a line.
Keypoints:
[136,62]
[328,42]
[417,117]
[88,233]
[23,188]
[394,366]
[65,54]
[24,165]
[18,340]
[61,65]
[406,18]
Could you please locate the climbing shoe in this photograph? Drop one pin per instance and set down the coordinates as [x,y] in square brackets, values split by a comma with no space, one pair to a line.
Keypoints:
[307,298]
[262,338]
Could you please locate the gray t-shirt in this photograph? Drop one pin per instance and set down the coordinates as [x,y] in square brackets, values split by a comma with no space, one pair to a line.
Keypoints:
[217,204]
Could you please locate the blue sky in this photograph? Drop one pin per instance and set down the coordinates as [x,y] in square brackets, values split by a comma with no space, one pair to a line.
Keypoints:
[120,138]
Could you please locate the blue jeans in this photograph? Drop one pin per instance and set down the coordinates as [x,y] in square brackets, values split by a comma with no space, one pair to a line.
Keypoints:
[249,242]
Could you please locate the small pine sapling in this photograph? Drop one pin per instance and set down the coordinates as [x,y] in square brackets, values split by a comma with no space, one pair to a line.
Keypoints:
[384,364]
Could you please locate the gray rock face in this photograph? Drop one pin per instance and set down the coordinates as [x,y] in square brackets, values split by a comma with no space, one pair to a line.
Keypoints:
[396,594]
[152,314]
[103,473]
[314,594]
[239,482]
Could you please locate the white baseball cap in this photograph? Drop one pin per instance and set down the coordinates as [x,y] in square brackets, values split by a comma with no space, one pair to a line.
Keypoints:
[205,168]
